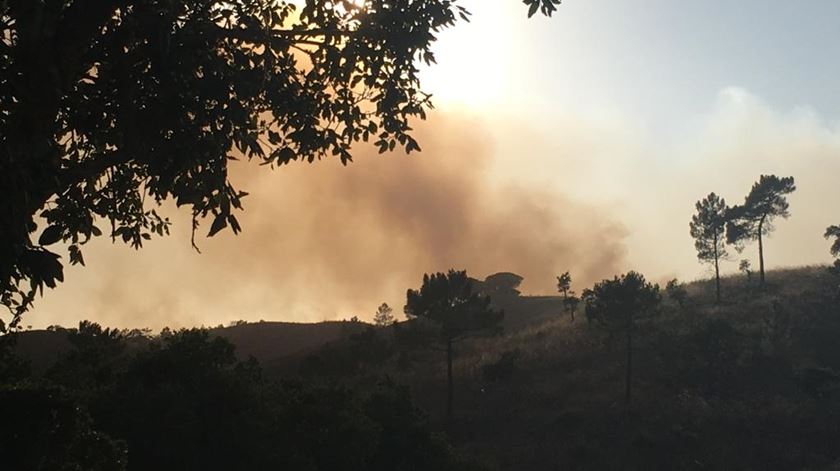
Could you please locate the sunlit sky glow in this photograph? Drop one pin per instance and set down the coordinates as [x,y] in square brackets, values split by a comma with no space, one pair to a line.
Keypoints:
[624,112]
[649,105]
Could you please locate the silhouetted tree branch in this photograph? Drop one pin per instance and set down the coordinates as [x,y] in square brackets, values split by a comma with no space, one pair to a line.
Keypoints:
[707,228]
[754,219]
[109,108]
[448,300]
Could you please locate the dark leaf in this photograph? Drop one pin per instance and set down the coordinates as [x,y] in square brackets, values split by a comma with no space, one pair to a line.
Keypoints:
[219,223]
[51,235]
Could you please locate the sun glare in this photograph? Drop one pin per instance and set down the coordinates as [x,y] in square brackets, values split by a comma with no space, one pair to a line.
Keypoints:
[474,60]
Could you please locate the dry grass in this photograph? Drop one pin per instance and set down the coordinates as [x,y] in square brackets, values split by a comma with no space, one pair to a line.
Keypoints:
[566,372]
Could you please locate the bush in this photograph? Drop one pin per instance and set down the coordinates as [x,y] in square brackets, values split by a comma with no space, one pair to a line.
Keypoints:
[44,429]
[504,369]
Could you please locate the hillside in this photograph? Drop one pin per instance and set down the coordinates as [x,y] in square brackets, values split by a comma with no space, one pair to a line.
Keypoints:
[268,342]
[277,345]
[751,383]
[272,342]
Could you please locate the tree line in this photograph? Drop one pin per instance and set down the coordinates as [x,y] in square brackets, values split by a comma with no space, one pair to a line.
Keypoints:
[183,400]
[716,225]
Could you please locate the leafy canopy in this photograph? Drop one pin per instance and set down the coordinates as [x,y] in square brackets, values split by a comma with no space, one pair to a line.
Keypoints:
[745,267]
[834,231]
[613,304]
[766,201]
[109,108]
[384,315]
[564,284]
[676,291]
[499,285]
[707,228]
[226,414]
[448,300]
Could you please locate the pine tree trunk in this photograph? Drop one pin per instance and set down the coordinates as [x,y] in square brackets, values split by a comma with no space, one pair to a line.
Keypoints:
[449,385]
[717,271]
[761,249]
[627,381]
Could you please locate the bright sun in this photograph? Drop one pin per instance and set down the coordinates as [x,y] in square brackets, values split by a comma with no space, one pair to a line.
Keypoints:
[474,60]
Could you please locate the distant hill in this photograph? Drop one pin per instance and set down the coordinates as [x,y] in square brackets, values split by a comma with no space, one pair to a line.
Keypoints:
[525,311]
[764,361]
[279,344]
[520,311]
[705,375]
[268,342]
[272,342]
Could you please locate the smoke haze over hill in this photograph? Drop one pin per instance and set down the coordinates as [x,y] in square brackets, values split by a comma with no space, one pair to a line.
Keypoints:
[323,241]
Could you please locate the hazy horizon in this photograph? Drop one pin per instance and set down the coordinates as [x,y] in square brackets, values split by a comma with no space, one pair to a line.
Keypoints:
[574,143]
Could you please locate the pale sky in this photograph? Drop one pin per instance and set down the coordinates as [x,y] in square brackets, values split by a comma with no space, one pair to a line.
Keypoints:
[586,138]
[661,58]
[652,104]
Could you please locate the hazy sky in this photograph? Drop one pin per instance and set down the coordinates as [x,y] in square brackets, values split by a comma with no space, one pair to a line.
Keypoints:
[649,105]
[579,142]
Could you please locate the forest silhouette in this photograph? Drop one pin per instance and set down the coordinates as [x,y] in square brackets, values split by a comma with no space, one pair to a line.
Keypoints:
[749,382]
[110,109]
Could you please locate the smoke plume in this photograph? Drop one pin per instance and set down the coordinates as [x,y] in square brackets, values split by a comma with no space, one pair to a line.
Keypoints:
[323,241]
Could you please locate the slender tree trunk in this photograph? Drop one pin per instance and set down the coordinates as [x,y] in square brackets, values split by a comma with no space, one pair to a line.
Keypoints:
[761,249]
[568,306]
[717,271]
[627,381]
[566,303]
[449,385]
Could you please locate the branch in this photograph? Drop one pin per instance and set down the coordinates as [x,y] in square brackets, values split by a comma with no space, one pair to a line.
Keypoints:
[280,38]
[310,32]
[90,168]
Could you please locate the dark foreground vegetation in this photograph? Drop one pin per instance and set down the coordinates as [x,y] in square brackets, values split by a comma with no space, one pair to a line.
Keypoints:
[109,109]
[183,401]
[752,382]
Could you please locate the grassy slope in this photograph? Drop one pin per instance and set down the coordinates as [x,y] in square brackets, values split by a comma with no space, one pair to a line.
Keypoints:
[274,344]
[562,407]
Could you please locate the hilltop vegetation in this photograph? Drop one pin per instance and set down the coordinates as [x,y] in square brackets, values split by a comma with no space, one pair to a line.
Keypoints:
[110,110]
[749,383]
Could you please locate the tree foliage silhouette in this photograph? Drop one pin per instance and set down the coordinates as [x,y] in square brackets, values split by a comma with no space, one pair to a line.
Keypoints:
[570,300]
[502,285]
[564,283]
[745,267]
[44,428]
[12,367]
[93,359]
[384,315]
[189,384]
[834,231]
[754,219]
[707,227]
[676,291]
[618,305]
[448,300]
[109,108]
